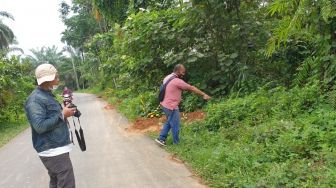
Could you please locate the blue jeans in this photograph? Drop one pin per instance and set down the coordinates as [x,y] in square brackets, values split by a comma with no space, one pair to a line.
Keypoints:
[173,123]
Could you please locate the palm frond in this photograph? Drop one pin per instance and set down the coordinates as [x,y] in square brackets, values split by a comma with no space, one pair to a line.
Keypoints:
[6,14]
[6,36]
[15,49]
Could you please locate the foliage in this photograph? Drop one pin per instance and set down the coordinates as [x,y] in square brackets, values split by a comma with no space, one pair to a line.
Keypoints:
[10,130]
[113,10]
[273,138]
[270,66]
[67,61]
[191,102]
[81,26]
[156,33]
[6,34]
[16,83]
[262,105]
[153,4]
[46,55]
[142,105]
[311,25]
[222,43]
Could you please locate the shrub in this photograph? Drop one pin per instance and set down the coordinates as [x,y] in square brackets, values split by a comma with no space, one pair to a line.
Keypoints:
[274,138]
[15,85]
[258,107]
[140,105]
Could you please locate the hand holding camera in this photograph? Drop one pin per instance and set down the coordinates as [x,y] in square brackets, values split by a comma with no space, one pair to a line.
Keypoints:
[71,110]
[76,113]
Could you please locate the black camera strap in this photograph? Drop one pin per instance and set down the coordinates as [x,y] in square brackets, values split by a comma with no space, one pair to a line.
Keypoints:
[80,135]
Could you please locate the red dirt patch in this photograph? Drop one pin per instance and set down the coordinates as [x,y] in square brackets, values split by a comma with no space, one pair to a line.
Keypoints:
[145,125]
[142,125]
[175,159]
[193,116]
[108,107]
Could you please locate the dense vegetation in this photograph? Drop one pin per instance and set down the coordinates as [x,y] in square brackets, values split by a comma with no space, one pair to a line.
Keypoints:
[15,85]
[270,138]
[17,77]
[227,46]
[269,64]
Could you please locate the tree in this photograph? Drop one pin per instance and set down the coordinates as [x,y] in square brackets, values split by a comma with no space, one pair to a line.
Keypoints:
[16,82]
[6,34]
[47,54]
[81,26]
[308,27]
[74,56]
[114,11]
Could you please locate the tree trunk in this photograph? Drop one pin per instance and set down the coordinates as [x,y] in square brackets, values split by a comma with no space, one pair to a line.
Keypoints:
[75,72]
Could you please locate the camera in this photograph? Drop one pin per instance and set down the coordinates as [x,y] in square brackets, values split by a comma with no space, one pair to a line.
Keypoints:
[77,113]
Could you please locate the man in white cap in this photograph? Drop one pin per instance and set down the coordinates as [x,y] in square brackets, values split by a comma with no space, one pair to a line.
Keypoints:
[50,131]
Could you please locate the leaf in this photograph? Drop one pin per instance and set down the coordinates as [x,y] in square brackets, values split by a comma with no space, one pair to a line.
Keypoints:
[234,55]
[228,62]
[171,37]
[192,59]
[199,55]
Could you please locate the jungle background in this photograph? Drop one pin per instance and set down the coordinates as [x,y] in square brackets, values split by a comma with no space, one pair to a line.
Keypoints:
[269,65]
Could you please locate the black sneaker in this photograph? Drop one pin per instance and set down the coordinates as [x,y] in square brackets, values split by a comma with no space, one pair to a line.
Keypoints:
[161,142]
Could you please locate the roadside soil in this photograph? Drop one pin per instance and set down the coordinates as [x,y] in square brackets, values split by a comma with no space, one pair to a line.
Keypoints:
[148,125]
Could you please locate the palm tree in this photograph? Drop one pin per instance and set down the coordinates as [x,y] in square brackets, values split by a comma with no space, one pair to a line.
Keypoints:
[6,34]
[74,55]
[47,54]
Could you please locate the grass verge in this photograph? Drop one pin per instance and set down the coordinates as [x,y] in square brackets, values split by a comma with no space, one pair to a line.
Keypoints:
[271,138]
[10,130]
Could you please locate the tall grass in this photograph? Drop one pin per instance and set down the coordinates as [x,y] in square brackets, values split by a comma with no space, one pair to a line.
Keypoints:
[270,138]
[9,130]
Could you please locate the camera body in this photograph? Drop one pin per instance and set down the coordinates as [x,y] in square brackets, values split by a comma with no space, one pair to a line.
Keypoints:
[77,113]
[67,99]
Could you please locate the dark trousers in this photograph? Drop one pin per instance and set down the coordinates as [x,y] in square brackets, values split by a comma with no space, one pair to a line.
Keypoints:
[60,171]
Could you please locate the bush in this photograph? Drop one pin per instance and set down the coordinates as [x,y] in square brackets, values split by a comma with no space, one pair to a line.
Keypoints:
[191,102]
[15,85]
[140,105]
[258,107]
[274,138]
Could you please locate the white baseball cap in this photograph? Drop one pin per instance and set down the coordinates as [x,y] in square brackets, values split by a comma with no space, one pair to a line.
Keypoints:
[45,73]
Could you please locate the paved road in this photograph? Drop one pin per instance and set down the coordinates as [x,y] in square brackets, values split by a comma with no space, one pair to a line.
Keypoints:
[114,159]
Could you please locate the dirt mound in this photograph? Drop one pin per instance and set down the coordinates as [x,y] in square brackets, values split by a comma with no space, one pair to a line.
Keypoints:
[145,125]
[193,116]
[108,107]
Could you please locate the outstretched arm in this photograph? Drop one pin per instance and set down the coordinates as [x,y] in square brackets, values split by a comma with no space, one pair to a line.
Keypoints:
[199,92]
[184,86]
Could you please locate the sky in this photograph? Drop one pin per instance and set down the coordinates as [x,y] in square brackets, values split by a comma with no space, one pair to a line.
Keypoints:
[37,22]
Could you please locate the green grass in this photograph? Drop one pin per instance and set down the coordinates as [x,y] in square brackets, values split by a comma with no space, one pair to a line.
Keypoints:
[269,138]
[94,90]
[10,130]
[269,155]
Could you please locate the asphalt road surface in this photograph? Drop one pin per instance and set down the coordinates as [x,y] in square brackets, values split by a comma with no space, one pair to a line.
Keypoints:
[114,158]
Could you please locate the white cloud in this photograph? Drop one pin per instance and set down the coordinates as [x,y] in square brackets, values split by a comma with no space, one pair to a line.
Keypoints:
[37,22]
